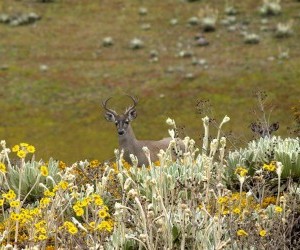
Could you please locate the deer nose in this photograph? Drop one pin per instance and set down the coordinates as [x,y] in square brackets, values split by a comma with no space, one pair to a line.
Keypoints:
[121,132]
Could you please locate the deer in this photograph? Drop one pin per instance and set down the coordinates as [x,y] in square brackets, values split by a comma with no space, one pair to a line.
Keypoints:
[127,139]
[263,130]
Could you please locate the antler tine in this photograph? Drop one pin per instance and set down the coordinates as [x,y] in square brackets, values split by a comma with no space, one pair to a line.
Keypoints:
[104,103]
[135,101]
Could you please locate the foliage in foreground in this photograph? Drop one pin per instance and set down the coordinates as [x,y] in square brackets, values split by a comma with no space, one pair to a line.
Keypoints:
[168,205]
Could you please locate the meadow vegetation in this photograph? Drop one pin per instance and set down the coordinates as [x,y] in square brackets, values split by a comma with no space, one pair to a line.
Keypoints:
[206,199]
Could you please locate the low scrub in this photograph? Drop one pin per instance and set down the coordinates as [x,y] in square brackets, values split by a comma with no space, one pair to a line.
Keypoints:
[182,204]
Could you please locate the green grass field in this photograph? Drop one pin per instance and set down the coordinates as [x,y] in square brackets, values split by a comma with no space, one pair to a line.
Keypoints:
[58,110]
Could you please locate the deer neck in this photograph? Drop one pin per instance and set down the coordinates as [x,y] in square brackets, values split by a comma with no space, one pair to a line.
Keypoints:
[128,140]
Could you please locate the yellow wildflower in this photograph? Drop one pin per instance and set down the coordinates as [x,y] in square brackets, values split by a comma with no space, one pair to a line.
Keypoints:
[15,216]
[241,233]
[49,193]
[42,237]
[24,144]
[92,224]
[94,163]
[222,200]
[262,233]
[73,230]
[98,201]
[10,195]
[44,171]
[62,165]
[63,185]
[31,149]
[21,154]
[44,202]
[14,203]
[241,171]
[102,213]
[1,202]
[270,167]
[236,210]
[15,148]
[79,212]
[105,226]
[2,168]
[278,209]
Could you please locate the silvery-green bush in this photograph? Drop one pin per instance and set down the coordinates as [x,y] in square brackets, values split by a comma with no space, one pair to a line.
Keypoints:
[160,204]
[265,150]
[32,182]
[270,7]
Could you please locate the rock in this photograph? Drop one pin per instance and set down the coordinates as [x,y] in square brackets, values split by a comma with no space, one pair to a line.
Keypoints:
[136,43]
[173,21]
[146,26]
[202,42]
[193,21]
[44,68]
[185,53]
[107,41]
[143,11]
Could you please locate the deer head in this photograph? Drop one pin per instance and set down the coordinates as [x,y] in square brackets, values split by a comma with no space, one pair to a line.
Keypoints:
[262,130]
[122,121]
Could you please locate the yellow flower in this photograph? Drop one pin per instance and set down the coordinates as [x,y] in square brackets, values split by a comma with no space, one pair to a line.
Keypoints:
[1,202]
[14,203]
[73,230]
[21,154]
[94,163]
[79,212]
[236,211]
[105,226]
[241,233]
[270,167]
[2,168]
[98,201]
[278,209]
[10,195]
[63,185]
[31,149]
[241,171]
[24,144]
[42,237]
[62,165]
[102,213]
[222,200]
[262,233]
[15,216]
[44,202]
[49,193]
[15,148]
[44,171]
[92,224]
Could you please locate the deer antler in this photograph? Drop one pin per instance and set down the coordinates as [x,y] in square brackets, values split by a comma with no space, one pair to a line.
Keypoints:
[104,103]
[135,102]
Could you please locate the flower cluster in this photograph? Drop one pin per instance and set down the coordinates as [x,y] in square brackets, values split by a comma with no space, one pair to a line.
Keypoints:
[23,149]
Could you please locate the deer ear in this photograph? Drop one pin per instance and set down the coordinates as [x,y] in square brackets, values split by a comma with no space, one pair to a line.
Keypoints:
[131,114]
[255,128]
[110,117]
[274,127]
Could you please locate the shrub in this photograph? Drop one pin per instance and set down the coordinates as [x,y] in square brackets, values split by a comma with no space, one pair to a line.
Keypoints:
[208,18]
[284,29]
[270,8]
[264,151]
